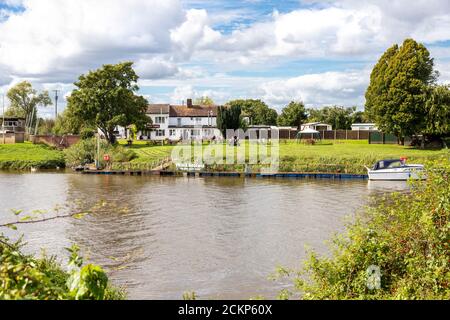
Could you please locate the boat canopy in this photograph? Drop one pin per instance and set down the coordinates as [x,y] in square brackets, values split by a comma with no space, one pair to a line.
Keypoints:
[384,164]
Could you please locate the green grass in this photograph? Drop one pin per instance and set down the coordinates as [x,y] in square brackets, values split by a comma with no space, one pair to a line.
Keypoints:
[346,156]
[23,156]
[329,156]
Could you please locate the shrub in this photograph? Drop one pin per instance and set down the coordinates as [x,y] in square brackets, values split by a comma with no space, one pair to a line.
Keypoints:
[25,277]
[85,152]
[406,236]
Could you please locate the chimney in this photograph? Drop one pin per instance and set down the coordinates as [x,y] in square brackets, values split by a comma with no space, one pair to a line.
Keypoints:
[189,103]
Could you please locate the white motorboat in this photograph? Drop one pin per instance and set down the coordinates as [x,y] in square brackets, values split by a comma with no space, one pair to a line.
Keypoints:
[396,170]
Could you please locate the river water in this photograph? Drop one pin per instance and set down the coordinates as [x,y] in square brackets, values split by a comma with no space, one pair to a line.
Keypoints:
[162,236]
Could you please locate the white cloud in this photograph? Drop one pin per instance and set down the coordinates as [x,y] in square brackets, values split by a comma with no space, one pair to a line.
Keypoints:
[70,36]
[181,93]
[54,41]
[156,68]
[330,88]
[194,33]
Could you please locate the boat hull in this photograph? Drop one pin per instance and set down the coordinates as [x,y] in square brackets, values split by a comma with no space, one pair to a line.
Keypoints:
[400,174]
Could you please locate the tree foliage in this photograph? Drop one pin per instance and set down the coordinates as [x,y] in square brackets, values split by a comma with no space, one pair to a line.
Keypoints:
[258,112]
[340,118]
[293,115]
[437,109]
[24,101]
[405,235]
[106,98]
[85,152]
[68,123]
[24,277]
[397,93]
[204,101]
[229,117]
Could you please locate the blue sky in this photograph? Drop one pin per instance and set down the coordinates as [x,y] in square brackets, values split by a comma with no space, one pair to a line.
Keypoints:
[318,52]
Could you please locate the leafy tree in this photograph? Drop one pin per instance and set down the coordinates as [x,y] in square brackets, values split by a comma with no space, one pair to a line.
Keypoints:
[46,126]
[339,117]
[106,99]
[24,101]
[67,123]
[438,111]
[397,93]
[229,117]
[258,112]
[294,115]
[204,101]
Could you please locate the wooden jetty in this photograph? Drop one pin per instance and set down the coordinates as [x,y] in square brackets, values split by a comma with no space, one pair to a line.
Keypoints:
[288,175]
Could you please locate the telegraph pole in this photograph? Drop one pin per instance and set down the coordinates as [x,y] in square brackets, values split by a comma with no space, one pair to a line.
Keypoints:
[56,103]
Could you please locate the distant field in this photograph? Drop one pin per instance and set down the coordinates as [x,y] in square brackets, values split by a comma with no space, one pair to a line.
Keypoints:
[329,156]
[26,155]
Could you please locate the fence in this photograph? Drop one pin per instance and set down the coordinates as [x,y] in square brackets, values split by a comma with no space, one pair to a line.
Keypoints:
[377,137]
[329,135]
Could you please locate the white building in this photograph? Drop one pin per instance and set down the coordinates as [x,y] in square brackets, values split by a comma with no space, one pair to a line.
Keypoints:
[364,127]
[316,126]
[175,122]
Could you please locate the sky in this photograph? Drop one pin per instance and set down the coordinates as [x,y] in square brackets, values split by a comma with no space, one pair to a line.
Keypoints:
[318,52]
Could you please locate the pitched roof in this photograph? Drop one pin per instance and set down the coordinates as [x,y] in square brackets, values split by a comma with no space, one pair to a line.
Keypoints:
[158,109]
[182,111]
[194,111]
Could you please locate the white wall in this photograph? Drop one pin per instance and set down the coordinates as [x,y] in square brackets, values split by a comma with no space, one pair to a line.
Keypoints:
[186,121]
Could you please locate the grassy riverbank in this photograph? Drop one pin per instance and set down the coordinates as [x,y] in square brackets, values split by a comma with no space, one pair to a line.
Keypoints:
[329,156]
[346,156]
[27,155]
[326,157]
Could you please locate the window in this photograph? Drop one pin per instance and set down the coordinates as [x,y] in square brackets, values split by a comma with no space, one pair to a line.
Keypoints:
[160,133]
[179,122]
[195,133]
[198,120]
[172,132]
[160,120]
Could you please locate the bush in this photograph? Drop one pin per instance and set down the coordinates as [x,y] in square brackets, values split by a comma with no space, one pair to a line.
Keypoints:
[87,133]
[25,277]
[85,152]
[406,236]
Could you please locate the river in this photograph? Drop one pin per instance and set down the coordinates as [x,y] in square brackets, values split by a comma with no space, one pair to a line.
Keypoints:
[162,236]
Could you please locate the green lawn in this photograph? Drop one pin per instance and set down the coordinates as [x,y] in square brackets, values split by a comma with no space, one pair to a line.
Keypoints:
[26,155]
[328,156]
[346,156]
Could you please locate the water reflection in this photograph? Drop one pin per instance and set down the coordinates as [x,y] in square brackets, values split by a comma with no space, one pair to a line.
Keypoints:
[388,186]
[221,237]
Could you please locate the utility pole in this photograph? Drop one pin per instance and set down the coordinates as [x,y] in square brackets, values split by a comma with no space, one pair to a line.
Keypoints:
[56,103]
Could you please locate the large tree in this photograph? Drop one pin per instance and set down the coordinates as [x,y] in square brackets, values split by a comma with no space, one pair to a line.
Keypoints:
[257,111]
[106,98]
[24,101]
[293,115]
[397,93]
